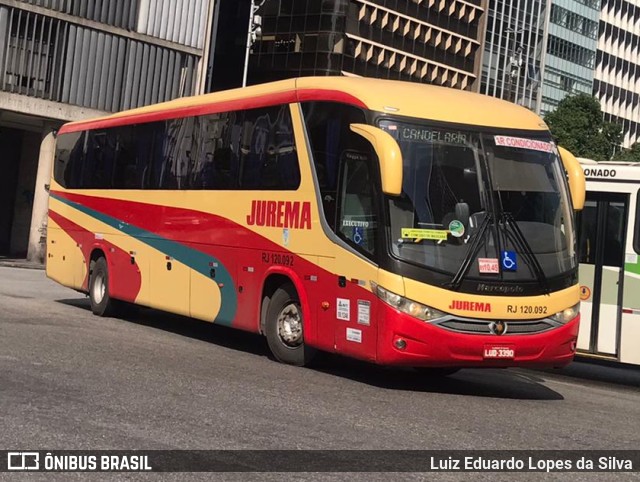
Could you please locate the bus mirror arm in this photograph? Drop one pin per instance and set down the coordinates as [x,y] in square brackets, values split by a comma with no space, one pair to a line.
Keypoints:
[577,183]
[389,156]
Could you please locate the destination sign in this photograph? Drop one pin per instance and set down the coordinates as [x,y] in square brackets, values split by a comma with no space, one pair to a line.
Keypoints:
[599,172]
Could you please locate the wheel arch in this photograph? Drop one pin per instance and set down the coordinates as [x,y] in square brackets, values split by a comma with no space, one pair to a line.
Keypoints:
[96,253]
[275,278]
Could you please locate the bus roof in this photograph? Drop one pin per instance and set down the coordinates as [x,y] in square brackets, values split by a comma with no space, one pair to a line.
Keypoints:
[610,171]
[388,96]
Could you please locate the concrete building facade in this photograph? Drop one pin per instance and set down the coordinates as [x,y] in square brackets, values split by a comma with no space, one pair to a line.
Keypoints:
[617,69]
[430,41]
[571,50]
[63,60]
[514,51]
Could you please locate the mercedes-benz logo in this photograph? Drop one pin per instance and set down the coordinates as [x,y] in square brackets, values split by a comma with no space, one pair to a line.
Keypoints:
[498,327]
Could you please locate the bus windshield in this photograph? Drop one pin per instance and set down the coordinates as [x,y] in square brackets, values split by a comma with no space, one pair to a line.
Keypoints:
[460,185]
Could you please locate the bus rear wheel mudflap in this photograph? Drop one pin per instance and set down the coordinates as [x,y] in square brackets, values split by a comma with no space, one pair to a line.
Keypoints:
[284,328]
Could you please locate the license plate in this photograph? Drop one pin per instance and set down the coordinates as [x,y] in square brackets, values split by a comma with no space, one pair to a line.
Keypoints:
[497,352]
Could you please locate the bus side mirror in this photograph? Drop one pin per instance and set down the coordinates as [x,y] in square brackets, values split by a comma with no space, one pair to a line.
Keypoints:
[389,156]
[577,183]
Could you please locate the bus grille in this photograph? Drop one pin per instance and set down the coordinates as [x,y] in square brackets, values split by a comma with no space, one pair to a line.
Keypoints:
[482,327]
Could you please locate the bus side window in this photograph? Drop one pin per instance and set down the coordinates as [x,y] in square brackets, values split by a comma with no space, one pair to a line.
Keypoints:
[268,151]
[587,233]
[213,154]
[613,235]
[329,134]
[636,234]
[97,168]
[133,153]
[69,157]
[357,213]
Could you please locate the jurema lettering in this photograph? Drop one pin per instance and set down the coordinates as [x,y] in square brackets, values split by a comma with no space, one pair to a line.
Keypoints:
[280,214]
[470,306]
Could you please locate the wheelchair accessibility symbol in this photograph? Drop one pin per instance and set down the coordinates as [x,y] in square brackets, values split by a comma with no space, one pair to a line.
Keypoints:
[358,235]
[509,261]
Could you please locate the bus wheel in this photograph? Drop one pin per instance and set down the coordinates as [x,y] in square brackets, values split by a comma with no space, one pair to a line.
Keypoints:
[101,302]
[436,372]
[284,328]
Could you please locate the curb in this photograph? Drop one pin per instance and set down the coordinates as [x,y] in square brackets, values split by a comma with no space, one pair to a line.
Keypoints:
[21,264]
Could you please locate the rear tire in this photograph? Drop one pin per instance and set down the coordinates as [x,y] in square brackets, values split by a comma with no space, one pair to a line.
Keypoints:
[284,328]
[101,302]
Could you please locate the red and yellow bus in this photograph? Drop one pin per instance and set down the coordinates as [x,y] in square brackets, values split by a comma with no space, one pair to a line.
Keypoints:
[398,223]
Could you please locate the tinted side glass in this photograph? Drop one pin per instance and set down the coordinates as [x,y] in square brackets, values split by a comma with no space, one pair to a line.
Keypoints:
[268,157]
[328,129]
[357,219]
[135,148]
[614,234]
[169,143]
[99,160]
[636,234]
[346,169]
[68,159]
[216,151]
[587,232]
[252,149]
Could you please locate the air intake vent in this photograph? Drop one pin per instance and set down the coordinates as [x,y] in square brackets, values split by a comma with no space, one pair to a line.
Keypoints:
[482,327]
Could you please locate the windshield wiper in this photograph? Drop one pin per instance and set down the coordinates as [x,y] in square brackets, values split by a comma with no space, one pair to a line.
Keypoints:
[519,240]
[472,251]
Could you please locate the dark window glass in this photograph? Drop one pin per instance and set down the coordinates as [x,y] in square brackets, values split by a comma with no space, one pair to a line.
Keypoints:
[135,148]
[252,149]
[268,157]
[587,232]
[215,151]
[68,160]
[636,237]
[610,223]
[614,235]
[174,146]
[328,129]
[344,164]
[99,160]
[357,217]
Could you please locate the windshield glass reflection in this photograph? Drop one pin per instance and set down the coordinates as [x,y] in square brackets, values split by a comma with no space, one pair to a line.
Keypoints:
[454,179]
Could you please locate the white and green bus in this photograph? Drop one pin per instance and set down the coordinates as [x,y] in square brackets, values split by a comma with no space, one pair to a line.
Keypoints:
[609,244]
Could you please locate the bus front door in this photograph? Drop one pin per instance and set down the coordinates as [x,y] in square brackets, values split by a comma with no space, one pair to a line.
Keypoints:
[602,234]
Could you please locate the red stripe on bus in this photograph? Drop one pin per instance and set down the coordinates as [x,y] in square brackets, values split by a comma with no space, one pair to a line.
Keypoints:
[128,275]
[217,107]
[308,95]
[219,237]
[627,311]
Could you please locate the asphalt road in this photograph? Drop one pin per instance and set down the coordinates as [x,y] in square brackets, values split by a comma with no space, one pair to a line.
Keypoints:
[70,380]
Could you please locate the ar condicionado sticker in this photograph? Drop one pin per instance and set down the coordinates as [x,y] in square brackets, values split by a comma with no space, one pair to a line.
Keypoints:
[523,143]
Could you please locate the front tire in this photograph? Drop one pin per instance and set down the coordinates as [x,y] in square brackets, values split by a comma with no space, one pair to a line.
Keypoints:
[101,302]
[284,328]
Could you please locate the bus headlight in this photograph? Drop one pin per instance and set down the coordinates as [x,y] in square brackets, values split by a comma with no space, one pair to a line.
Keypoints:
[412,308]
[567,315]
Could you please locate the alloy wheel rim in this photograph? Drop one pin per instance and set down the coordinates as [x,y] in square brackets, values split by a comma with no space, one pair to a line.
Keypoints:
[99,288]
[290,325]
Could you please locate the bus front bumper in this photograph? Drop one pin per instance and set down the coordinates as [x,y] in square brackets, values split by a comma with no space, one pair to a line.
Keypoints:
[404,340]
